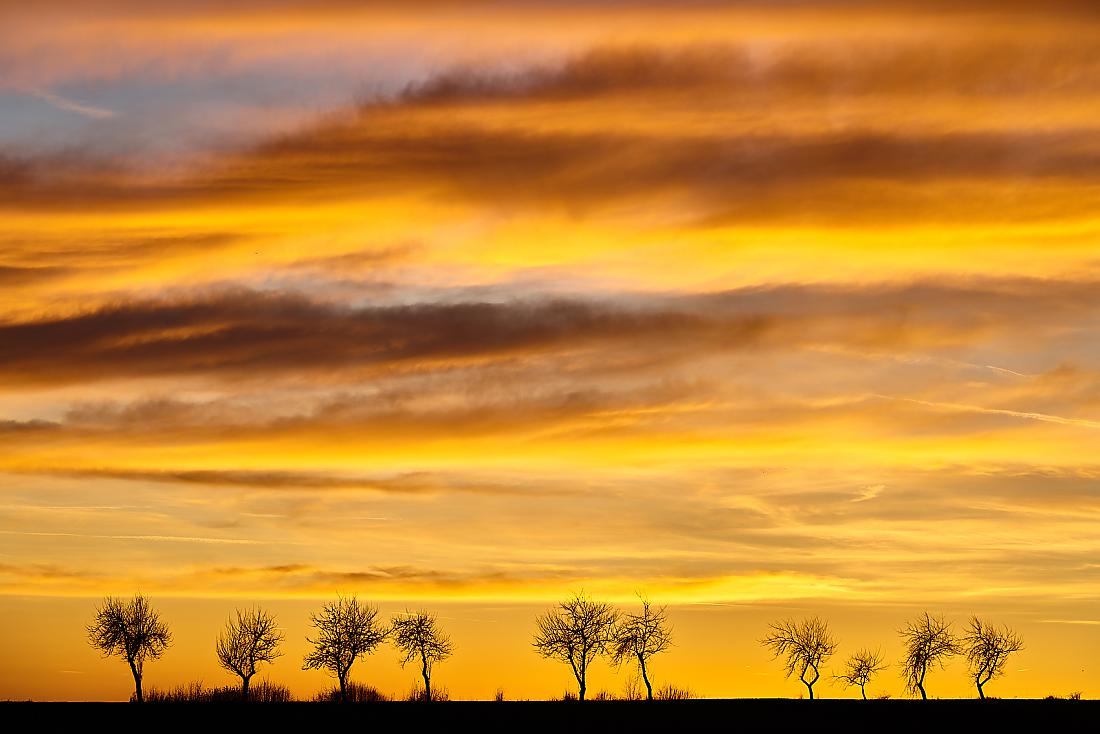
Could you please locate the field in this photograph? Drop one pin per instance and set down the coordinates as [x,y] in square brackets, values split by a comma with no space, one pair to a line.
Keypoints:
[726,715]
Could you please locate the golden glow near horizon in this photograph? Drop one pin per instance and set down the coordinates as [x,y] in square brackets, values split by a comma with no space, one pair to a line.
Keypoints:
[763,311]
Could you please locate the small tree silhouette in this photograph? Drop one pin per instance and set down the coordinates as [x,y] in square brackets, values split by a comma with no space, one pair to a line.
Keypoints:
[806,644]
[987,649]
[576,632]
[253,638]
[928,641]
[416,635]
[131,630]
[860,668]
[638,637]
[346,630]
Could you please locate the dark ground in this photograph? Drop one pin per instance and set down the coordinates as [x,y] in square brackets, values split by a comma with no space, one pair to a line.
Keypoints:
[735,715]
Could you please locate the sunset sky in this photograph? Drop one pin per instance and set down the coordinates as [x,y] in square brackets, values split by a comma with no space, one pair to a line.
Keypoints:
[762,308]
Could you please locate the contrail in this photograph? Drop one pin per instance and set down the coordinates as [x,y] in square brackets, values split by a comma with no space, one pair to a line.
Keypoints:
[157,538]
[917,359]
[1007,371]
[1044,417]
[68,105]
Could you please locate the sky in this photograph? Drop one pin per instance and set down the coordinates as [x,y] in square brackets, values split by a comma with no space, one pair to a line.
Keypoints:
[762,309]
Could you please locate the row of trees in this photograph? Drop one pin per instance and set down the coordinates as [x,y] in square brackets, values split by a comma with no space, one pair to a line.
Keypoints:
[929,642]
[577,632]
[580,630]
[345,630]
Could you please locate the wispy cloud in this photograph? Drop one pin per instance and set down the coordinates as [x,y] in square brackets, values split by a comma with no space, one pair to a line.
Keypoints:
[69,105]
[870,493]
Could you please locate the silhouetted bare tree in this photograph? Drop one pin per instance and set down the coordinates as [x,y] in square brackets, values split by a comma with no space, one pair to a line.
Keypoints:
[638,637]
[860,667]
[249,640]
[131,630]
[928,641]
[806,644]
[576,632]
[416,636]
[346,630]
[987,649]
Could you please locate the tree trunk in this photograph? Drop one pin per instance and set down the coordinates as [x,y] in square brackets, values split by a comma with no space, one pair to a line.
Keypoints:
[427,682]
[920,687]
[981,693]
[579,674]
[648,687]
[343,691]
[810,683]
[244,686]
[137,682]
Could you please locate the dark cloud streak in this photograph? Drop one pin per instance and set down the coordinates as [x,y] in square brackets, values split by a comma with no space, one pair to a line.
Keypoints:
[419,483]
[990,69]
[586,170]
[243,334]
[412,144]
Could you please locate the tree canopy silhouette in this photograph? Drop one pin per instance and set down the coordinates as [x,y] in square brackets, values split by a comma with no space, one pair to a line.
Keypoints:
[130,630]
[249,640]
[860,667]
[346,630]
[638,637]
[416,636]
[987,649]
[806,644]
[928,641]
[576,632]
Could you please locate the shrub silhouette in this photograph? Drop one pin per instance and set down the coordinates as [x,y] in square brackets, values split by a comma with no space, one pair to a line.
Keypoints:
[669,692]
[353,693]
[195,692]
[416,694]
